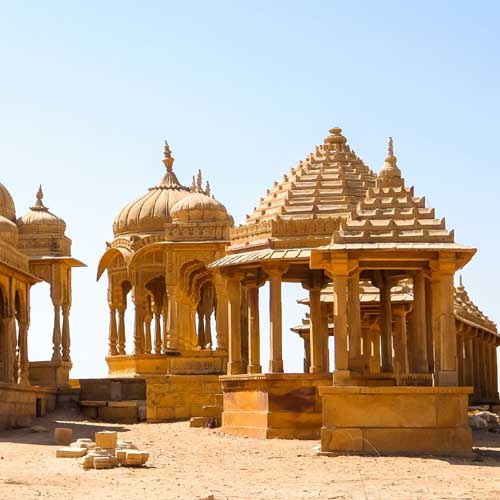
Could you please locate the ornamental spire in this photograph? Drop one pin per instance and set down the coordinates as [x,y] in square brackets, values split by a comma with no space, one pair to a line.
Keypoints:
[39,203]
[390,175]
[207,188]
[199,181]
[168,160]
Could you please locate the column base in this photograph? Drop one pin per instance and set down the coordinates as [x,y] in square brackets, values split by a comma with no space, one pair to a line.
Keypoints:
[276,366]
[234,367]
[254,369]
[447,378]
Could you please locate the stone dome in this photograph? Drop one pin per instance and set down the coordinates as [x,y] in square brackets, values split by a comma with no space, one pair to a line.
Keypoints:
[8,231]
[199,206]
[7,207]
[40,220]
[150,212]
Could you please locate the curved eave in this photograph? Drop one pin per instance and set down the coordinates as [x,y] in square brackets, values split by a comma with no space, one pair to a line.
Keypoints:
[266,255]
[109,256]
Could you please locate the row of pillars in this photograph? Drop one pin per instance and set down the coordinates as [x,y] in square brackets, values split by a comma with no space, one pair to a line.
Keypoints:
[477,366]
[14,355]
[61,341]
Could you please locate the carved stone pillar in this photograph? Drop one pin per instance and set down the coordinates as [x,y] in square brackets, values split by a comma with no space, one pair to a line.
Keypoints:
[221,314]
[468,362]
[148,318]
[172,340]
[275,316]
[420,362]
[23,364]
[316,342]
[307,352]
[113,332]
[448,370]
[157,327]
[140,311]
[66,338]
[254,365]
[386,324]
[401,340]
[201,330]
[340,325]
[325,336]
[354,313]
[460,359]
[57,334]
[235,364]
[121,330]
[478,390]
[494,365]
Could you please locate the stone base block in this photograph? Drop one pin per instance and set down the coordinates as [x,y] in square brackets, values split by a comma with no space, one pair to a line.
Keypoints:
[286,406]
[395,420]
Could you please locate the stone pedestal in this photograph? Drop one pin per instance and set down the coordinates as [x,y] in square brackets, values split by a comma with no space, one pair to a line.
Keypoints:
[395,420]
[54,373]
[196,362]
[273,405]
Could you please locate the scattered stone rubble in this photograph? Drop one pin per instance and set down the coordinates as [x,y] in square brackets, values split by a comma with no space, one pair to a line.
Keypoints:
[105,452]
[481,419]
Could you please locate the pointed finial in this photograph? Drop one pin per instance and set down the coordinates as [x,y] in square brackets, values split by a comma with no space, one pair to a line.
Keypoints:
[193,185]
[390,175]
[460,282]
[199,181]
[207,188]
[39,203]
[390,147]
[168,161]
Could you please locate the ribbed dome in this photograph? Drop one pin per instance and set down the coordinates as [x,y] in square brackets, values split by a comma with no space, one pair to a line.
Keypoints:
[7,207]
[198,207]
[40,220]
[150,212]
[8,231]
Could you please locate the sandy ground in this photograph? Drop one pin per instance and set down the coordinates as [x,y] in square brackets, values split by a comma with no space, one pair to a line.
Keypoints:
[195,463]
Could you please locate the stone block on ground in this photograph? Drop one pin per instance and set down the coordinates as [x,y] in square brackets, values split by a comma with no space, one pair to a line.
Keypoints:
[70,452]
[39,428]
[106,439]
[63,435]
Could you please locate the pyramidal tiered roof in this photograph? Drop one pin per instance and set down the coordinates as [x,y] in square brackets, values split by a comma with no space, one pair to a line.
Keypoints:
[329,182]
[466,309]
[391,213]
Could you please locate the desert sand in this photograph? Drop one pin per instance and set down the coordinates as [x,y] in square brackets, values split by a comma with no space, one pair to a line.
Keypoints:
[190,464]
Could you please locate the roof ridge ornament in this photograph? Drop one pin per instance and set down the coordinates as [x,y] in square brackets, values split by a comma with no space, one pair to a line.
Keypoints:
[39,206]
[168,160]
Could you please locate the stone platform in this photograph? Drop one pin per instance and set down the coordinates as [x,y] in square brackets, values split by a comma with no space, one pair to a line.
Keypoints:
[395,420]
[277,405]
[199,362]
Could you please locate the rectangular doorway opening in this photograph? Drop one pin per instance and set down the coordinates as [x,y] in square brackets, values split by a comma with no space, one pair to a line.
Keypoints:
[38,408]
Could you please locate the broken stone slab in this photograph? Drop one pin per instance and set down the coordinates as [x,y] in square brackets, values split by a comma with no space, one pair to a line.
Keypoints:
[104,463]
[135,457]
[106,439]
[69,452]
[63,435]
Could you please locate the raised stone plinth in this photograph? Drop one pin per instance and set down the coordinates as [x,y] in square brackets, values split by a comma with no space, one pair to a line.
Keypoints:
[50,373]
[277,405]
[395,420]
[202,362]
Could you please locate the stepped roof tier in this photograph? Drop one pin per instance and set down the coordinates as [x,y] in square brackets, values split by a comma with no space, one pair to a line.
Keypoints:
[304,208]
[391,217]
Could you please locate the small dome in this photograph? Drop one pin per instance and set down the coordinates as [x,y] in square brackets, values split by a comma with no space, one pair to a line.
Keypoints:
[150,212]
[40,220]
[7,207]
[8,231]
[199,206]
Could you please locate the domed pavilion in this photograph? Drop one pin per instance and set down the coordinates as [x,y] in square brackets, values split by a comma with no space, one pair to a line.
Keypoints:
[33,248]
[157,265]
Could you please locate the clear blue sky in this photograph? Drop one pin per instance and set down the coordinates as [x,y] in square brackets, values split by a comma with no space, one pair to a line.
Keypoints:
[243,90]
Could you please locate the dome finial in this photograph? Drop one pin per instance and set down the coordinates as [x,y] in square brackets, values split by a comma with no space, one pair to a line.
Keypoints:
[193,185]
[199,181]
[390,175]
[207,188]
[390,147]
[39,203]
[168,161]
[460,282]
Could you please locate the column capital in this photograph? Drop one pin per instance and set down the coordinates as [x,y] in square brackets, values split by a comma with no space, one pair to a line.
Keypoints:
[277,270]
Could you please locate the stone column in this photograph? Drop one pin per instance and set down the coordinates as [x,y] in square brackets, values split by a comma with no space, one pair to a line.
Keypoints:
[221,313]
[171,340]
[23,364]
[148,317]
[436,323]
[340,328]
[400,340]
[66,339]
[477,370]
[429,340]
[325,345]
[235,364]
[468,362]
[157,317]
[307,352]
[460,359]
[254,365]
[354,313]
[139,325]
[483,356]
[448,370]
[275,316]
[316,342]
[113,332]
[121,330]
[56,335]
[164,316]
[244,328]
[201,330]
[420,361]
[494,362]
[386,325]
